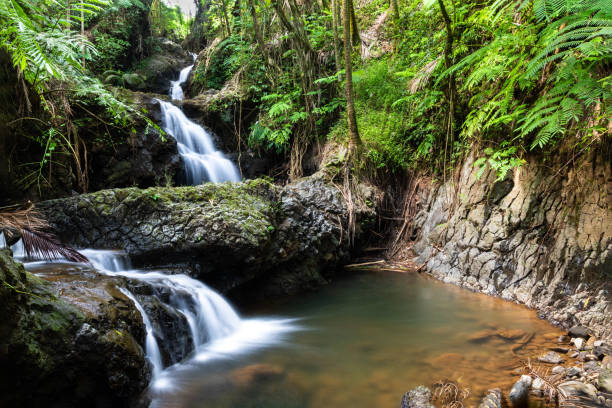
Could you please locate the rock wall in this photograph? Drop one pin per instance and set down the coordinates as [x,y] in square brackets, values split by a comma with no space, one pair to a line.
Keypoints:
[69,342]
[539,237]
[226,235]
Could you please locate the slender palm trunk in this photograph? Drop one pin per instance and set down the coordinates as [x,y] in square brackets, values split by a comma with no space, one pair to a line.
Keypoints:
[354,139]
[335,12]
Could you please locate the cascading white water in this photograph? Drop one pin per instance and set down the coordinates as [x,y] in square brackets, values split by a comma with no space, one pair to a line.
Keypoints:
[216,329]
[195,145]
[176,88]
[151,347]
[203,162]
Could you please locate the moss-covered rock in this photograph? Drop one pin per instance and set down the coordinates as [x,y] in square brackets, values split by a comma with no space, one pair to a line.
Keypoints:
[225,234]
[70,340]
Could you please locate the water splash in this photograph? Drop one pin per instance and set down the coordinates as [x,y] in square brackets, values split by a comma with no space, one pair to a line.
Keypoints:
[203,162]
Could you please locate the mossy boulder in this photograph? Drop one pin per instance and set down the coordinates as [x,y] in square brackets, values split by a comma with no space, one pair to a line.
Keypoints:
[70,340]
[225,234]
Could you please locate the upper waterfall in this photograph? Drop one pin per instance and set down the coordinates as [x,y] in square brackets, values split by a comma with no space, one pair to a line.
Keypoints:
[195,145]
[176,88]
[203,162]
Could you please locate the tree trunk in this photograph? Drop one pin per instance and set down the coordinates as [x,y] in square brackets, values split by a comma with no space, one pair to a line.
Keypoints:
[354,140]
[258,36]
[335,11]
[354,26]
[227,24]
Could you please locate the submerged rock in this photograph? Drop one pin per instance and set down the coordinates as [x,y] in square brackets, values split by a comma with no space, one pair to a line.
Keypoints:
[419,397]
[551,358]
[71,341]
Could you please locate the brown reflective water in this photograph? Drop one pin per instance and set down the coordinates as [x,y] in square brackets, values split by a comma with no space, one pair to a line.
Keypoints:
[366,340]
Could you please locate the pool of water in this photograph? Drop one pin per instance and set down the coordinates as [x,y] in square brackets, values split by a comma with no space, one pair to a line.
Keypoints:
[365,340]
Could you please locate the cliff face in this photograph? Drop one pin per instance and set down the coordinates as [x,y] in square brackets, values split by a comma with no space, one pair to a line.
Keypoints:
[538,237]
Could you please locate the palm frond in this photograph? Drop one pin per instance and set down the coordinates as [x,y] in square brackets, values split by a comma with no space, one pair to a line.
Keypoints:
[34,230]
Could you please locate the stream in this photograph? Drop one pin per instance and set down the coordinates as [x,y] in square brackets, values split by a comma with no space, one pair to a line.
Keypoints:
[360,342]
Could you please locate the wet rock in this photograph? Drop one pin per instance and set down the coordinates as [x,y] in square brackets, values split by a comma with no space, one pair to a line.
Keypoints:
[576,388]
[519,394]
[551,358]
[75,338]
[158,69]
[419,397]
[146,160]
[560,349]
[579,331]
[591,367]
[491,246]
[557,370]
[573,354]
[563,339]
[276,240]
[574,372]
[493,399]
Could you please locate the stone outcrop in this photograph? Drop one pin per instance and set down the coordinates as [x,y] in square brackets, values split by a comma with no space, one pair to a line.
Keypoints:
[146,160]
[162,67]
[226,235]
[71,340]
[537,237]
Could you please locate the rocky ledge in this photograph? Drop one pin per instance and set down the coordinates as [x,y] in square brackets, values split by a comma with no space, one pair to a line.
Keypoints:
[70,340]
[229,235]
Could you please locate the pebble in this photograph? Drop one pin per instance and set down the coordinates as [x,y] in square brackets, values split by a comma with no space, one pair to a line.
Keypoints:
[538,384]
[493,399]
[563,339]
[579,331]
[551,358]
[578,342]
[574,354]
[573,372]
[558,370]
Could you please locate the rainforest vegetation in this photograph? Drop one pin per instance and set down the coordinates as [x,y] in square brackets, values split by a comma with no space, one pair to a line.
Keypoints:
[416,84]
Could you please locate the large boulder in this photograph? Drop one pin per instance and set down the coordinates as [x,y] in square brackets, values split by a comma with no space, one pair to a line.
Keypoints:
[72,340]
[225,234]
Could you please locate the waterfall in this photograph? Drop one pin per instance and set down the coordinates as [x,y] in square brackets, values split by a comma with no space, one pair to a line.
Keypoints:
[151,347]
[195,145]
[215,328]
[176,89]
[203,162]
